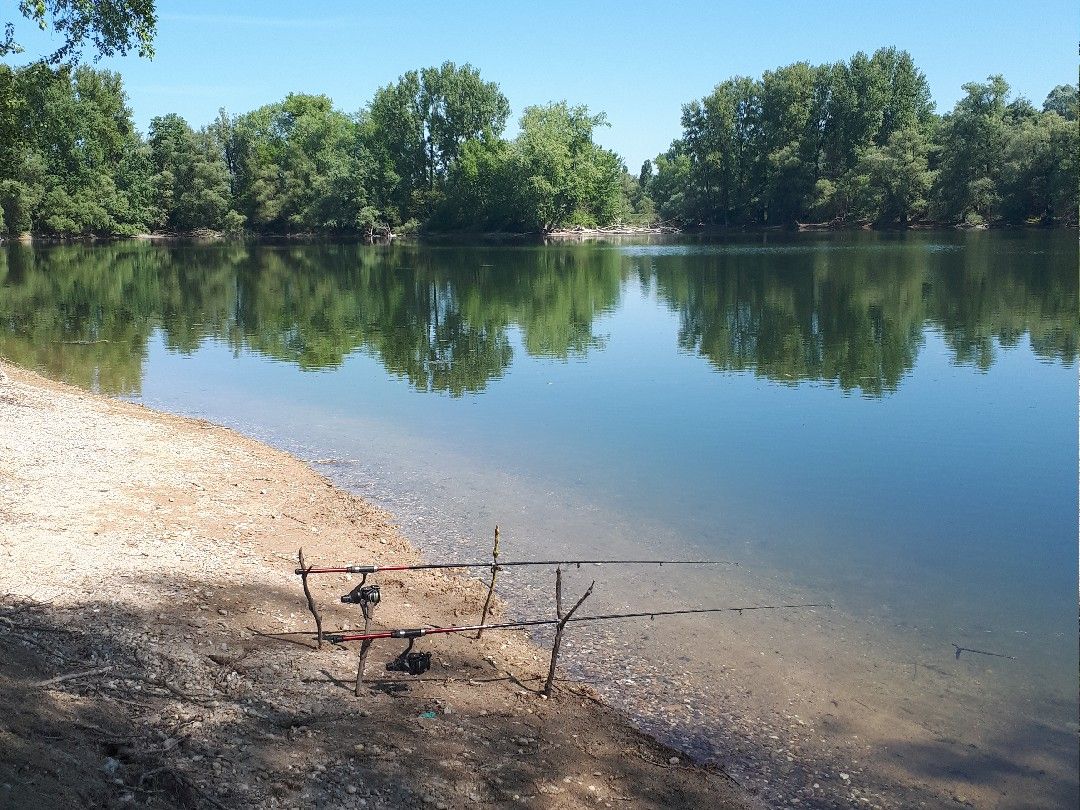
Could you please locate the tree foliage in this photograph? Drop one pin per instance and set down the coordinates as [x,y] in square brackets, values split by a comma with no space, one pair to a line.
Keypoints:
[110,26]
[71,161]
[299,166]
[190,185]
[416,130]
[858,142]
[855,142]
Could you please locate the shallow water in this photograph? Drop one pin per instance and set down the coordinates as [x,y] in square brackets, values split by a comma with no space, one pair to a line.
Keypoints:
[887,423]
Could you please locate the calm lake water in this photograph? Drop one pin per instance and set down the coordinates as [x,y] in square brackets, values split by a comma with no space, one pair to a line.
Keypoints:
[887,423]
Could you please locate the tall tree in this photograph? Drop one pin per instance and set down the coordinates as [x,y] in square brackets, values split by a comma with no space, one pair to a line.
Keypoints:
[73,161]
[973,138]
[299,166]
[1063,100]
[564,176]
[191,180]
[416,128]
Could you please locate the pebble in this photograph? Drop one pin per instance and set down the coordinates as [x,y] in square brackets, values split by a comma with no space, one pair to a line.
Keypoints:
[673,761]
[351,790]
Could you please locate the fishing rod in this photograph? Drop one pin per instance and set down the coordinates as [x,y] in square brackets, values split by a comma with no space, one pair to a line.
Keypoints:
[418,632]
[373,569]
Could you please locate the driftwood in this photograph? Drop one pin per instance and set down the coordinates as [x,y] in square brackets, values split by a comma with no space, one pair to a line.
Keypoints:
[73,675]
[563,619]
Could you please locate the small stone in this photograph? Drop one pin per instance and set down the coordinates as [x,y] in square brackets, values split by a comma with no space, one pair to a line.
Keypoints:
[351,790]
[673,761]
[223,612]
[844,776]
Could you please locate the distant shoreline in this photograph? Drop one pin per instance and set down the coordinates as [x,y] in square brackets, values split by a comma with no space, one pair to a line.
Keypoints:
[512,236]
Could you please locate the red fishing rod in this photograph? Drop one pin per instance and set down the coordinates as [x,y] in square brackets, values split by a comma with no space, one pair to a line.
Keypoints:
[418,632]
[373,569]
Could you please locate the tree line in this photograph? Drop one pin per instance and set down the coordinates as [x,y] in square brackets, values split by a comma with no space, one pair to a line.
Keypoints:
[858,142]
[849,143]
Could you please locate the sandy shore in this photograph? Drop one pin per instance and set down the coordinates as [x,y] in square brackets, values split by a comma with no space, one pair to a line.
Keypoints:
[144,555]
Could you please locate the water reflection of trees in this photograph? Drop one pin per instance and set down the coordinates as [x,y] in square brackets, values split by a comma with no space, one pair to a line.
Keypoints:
[439,318]
[851,313]
[855,313]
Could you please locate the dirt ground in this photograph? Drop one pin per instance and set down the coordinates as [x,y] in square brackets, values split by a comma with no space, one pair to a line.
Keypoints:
[156,651]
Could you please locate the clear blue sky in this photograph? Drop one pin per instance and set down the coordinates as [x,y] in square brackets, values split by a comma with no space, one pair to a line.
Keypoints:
[637,62]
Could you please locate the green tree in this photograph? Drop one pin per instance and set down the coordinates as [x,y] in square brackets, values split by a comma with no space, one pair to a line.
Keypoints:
[800,142]
[900,178]
[1038,176]
[1063,100]
[111,26]
[416,128]
[973,138]
[73,163]
[564,177]
[191,184]
[300,165]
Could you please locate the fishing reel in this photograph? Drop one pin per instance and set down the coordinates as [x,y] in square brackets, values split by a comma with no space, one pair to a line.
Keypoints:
[414,663]
[367,596]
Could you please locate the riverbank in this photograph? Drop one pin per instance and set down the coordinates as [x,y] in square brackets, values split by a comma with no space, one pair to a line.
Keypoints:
[557,234]
[146,566]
